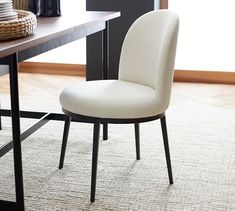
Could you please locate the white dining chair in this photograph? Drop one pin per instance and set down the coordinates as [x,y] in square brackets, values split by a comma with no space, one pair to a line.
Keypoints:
[141,93]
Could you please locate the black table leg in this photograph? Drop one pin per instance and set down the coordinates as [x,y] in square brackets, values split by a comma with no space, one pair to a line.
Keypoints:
[105,62]
[13,60]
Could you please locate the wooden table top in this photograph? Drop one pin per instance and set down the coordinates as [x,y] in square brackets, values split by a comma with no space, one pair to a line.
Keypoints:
[49,28]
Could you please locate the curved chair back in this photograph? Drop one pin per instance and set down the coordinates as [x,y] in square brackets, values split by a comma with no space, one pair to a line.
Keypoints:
[148,53]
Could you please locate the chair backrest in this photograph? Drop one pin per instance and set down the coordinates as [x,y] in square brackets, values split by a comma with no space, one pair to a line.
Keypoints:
[148,52]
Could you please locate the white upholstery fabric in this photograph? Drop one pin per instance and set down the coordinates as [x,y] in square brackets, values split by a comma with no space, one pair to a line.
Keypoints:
[148,52]
[111,99]
[145,74]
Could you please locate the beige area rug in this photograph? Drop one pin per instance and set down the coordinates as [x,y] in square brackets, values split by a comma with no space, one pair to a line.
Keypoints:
[202,144]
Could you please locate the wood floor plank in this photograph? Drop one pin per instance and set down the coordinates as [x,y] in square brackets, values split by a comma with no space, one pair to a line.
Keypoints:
[51,85]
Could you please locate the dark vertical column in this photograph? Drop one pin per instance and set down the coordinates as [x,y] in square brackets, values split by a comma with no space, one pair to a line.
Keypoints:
[105,51]
[130,11]
[15,115]
[105,66]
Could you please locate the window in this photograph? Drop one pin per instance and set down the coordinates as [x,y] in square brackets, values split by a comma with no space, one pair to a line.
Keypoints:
[72,53]
[206,37]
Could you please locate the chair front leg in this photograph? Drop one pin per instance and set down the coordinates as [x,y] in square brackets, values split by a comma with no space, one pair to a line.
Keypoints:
[64,141]
[167,150]
[137,140]
[94,160]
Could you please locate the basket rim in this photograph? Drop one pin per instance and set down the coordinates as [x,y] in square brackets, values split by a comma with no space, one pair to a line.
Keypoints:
[19,19]
[19,28]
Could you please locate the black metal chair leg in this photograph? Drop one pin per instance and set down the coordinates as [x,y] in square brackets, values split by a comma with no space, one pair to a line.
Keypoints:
[94,160]
[167,150]
[137,140]
[105,131]
[64,141]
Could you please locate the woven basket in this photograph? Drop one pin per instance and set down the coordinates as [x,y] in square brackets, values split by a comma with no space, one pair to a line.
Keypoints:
[23,26]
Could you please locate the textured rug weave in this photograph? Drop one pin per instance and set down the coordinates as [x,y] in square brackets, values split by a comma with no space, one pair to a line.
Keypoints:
[202,144]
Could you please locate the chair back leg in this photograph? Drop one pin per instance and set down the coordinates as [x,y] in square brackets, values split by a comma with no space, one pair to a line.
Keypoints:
[64,141]
[96,131]
[105,131]
[137,140]
[167,150]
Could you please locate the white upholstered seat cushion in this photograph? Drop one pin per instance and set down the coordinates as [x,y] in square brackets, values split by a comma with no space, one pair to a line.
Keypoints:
[110,99]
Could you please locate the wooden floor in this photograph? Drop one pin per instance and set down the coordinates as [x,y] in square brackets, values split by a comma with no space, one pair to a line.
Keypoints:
[30,83]
[46,85]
